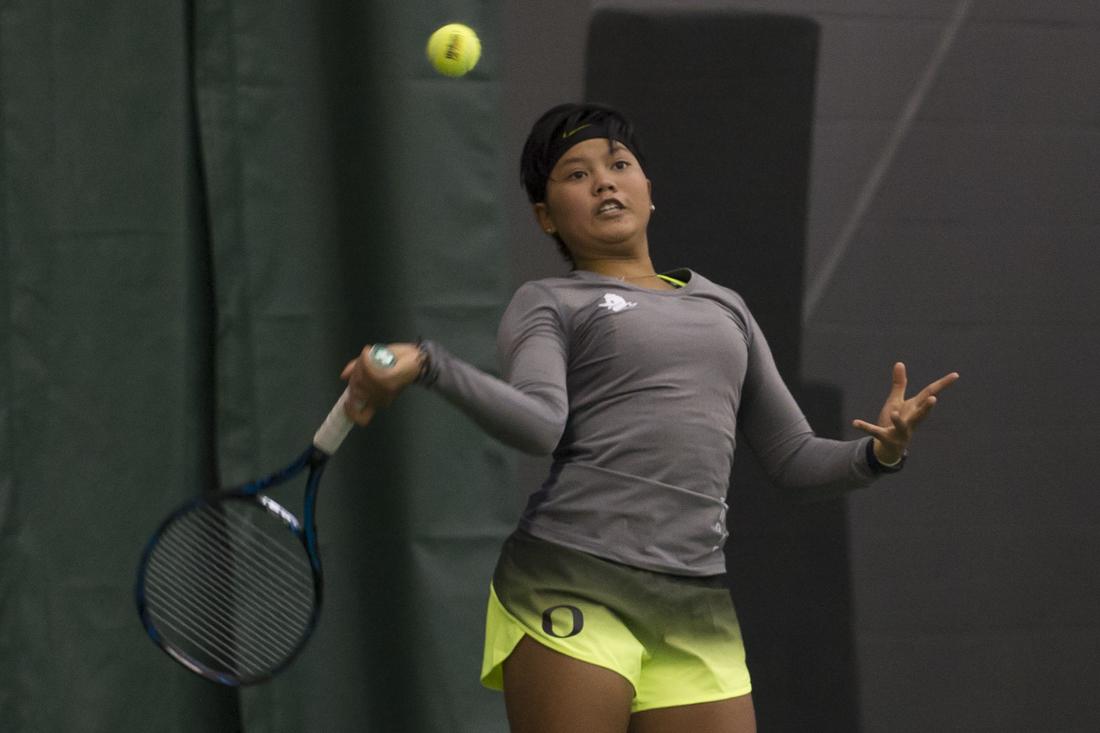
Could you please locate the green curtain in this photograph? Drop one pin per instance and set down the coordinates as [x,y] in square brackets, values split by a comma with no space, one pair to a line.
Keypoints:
[208,207]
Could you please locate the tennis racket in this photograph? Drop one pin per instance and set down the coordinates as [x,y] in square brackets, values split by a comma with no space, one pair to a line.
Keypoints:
[230,586]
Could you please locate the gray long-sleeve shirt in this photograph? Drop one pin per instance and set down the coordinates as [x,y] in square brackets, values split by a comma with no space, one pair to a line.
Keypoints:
[639,394]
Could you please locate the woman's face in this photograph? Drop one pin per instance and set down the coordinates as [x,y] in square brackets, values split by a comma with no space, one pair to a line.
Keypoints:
[598,201]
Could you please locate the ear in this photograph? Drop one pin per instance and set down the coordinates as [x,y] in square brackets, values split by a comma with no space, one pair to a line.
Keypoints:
[542,215]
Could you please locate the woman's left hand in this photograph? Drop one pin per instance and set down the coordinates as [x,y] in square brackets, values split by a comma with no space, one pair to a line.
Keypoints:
[900,416]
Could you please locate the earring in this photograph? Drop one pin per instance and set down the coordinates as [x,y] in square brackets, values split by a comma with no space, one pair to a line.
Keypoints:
[652,207]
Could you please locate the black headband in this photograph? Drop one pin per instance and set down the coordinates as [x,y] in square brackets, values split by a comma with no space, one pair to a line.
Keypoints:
[567,139]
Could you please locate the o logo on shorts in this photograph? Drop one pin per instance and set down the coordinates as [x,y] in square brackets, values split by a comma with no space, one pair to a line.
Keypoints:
[548,621]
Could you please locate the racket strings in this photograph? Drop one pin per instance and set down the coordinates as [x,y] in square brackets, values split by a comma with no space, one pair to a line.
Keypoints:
[208,614]
[231,587]
[266,555]
[208,609]
[231,609]
[216,624]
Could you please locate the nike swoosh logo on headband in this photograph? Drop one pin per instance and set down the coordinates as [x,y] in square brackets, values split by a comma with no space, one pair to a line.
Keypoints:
[571,133]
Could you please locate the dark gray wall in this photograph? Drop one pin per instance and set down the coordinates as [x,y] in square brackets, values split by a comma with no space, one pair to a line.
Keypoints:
[952,225]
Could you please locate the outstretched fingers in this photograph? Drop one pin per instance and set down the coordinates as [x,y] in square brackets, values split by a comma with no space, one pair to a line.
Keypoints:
[870,428]
[927,398]
[898,382]
[899,415]
[940,385]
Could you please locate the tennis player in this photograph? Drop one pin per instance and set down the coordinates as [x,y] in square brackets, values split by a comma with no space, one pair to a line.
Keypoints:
[608,609]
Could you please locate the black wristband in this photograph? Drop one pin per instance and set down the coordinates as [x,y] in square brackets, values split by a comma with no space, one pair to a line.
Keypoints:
[424,377]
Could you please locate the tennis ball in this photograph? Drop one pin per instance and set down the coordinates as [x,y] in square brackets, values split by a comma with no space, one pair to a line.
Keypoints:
[454,49]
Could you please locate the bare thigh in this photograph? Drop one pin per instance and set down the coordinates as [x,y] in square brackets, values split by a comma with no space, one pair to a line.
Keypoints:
[735,715]
[548,692]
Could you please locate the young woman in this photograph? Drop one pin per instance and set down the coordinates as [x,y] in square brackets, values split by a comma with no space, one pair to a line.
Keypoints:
[608,609]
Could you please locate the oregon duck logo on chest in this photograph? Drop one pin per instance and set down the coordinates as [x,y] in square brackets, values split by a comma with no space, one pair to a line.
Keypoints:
[615,303]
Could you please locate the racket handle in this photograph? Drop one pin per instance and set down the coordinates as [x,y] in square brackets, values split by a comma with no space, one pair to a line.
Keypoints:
[335,427]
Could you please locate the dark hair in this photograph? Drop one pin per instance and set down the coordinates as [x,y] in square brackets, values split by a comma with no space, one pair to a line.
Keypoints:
[543,146]
[547,142]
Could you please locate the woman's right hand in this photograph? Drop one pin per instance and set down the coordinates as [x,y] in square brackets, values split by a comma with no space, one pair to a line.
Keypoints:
[371,386]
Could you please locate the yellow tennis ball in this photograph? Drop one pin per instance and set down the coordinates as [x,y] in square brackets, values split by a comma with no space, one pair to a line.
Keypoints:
[454,49]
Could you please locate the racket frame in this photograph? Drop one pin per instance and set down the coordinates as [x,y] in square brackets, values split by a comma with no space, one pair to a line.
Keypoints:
[326,441]
[305,530]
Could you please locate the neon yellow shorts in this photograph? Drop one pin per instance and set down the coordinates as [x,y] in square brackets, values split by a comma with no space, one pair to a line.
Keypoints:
[676,639]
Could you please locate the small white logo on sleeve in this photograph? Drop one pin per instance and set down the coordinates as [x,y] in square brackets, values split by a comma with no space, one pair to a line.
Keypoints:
[615,303]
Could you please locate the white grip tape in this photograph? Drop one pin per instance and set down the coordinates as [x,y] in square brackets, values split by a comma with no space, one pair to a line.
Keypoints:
[335,427]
